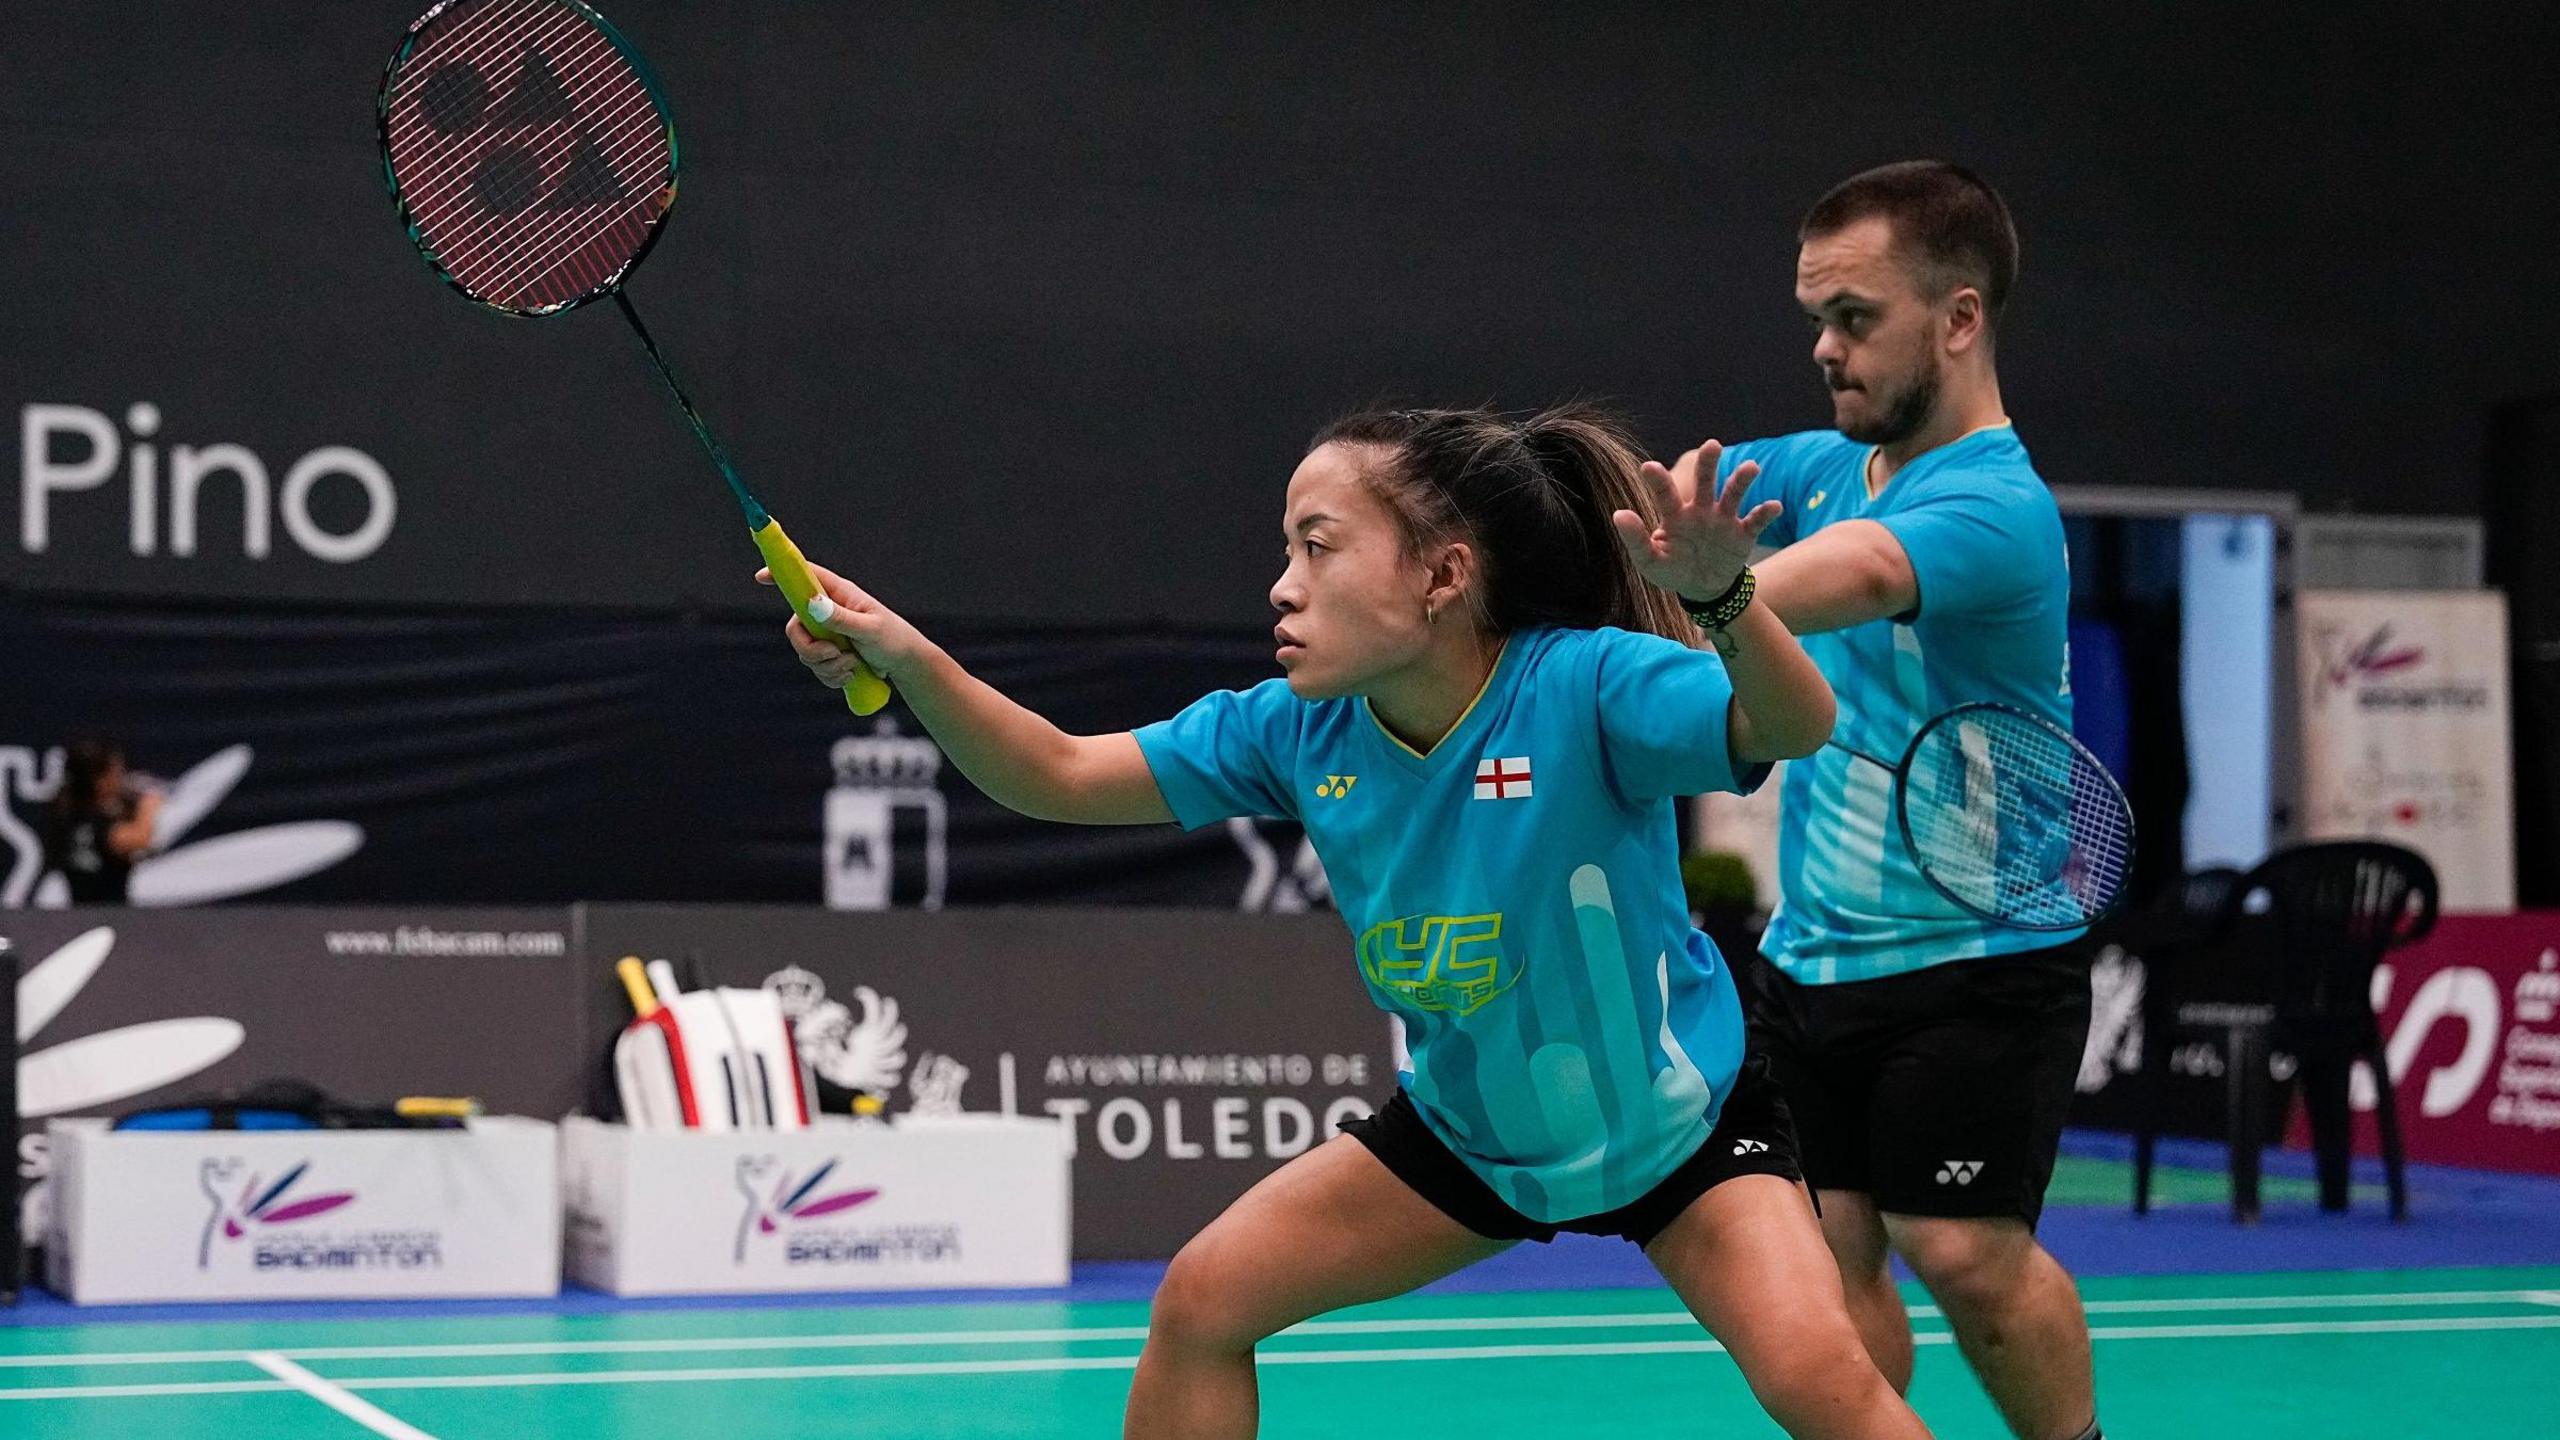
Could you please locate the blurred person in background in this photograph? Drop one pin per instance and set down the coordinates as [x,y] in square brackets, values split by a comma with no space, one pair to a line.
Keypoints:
[101,823]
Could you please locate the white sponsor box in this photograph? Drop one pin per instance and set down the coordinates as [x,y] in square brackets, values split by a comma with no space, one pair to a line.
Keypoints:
[926,1204]
[304,1214]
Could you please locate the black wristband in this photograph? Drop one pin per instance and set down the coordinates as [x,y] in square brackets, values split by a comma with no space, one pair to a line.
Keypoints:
[1721,612]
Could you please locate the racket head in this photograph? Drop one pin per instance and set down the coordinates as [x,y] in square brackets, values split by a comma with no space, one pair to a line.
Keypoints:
[2013,820]
[529,148]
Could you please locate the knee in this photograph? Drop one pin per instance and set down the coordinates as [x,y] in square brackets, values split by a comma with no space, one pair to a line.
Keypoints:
[1821,1370]
[1967,1264]
[1200,1306]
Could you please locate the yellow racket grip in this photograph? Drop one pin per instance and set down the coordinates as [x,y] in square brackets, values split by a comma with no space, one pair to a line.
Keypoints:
[867,692]
[644,1000]
[439,1107]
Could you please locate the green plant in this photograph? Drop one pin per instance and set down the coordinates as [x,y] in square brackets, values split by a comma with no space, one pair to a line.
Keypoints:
[1719,882]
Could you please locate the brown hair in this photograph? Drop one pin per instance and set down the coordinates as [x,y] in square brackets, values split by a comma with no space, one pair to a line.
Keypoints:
[1948,223]
[1532,499]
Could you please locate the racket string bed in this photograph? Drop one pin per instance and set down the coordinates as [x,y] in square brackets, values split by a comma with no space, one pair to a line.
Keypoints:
[472,169]
[2015,821]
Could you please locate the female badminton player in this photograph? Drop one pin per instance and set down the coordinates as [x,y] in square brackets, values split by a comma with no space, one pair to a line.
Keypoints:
[1495,687]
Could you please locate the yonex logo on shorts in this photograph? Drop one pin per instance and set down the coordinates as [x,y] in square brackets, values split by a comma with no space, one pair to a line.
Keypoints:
[1750,1147]
[1959,1172]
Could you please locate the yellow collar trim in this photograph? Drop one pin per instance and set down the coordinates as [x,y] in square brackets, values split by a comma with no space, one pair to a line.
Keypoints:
[1398,741]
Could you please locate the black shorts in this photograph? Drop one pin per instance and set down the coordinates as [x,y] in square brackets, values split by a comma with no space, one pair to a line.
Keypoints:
[1940,1092]
[1752,1137]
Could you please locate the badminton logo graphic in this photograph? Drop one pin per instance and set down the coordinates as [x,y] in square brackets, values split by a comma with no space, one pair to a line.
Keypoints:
[267,1221]
[2344,664]
[771,1209]
[222,867]
[236,1214]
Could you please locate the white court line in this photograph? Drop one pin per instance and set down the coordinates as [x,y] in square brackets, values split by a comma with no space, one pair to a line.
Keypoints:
[1064,1363]
[363,1412]
[1398,1326]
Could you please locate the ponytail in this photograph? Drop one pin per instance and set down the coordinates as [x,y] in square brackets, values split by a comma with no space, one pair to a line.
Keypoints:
[1597,463]
[1533,500]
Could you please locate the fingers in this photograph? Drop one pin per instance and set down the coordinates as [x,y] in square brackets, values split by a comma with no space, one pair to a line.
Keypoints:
[833,664]
[1737,485]
[1635,533]
[1662,487]
[837,588]
[1762,516]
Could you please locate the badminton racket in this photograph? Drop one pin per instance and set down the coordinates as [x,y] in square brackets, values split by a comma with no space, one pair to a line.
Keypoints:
[533,159]
[2011,819]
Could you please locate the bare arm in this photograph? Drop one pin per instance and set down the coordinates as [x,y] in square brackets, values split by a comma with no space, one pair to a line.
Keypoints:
[1781,707]
[1841,575]
[130,839]
[1016,756]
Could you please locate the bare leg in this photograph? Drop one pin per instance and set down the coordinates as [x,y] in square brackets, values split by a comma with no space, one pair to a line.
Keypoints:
[1331,1228]
[2016,1315]
[1856,1235]
[1750,1263]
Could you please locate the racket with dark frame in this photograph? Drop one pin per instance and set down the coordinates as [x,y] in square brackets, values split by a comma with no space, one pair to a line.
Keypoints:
[2011,819]
[533,158]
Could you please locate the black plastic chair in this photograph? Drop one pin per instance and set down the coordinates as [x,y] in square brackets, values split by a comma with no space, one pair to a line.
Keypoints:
[2183,939]
[2332,910]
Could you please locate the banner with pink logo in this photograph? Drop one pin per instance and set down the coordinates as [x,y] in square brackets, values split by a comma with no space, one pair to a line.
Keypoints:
[2471,1026]
[2404,732]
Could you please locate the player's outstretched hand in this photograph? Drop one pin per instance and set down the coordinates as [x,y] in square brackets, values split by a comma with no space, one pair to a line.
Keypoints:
[886,642]
[1703,538]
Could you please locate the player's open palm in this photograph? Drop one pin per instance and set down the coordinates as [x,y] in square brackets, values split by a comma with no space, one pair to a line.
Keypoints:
[1702,538]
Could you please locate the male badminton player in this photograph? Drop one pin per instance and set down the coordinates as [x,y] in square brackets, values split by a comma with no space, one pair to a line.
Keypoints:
[1928,1055]
[1493,692]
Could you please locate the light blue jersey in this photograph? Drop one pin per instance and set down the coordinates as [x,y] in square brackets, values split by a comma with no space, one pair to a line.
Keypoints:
[1515,896]
[1985,541]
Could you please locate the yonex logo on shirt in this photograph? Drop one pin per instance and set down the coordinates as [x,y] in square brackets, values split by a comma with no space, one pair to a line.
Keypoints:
[1334,787]
[1506,779]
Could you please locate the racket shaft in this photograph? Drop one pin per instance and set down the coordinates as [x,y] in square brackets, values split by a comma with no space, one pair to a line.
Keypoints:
[867,692]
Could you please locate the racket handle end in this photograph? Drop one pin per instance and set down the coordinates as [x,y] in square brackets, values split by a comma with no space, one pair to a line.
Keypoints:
[866,693]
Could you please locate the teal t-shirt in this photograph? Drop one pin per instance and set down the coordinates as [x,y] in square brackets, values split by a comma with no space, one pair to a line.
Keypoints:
[1985,541]
[1515,897]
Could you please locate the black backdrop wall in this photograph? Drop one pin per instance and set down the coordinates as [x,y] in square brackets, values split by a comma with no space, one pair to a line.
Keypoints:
[1023,311]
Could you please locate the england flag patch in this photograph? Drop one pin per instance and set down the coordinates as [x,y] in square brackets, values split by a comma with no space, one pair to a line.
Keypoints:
[1503,779]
